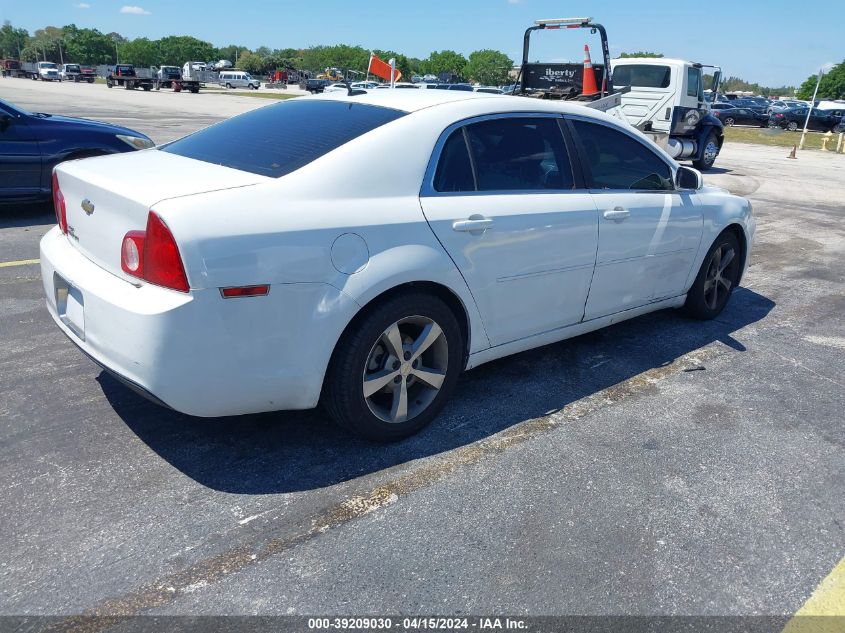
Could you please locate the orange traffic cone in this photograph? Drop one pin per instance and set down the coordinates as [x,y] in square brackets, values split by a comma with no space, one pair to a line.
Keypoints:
[590,87]
[792,153]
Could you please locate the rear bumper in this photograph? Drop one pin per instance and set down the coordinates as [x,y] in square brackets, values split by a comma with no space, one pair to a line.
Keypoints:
[198,353]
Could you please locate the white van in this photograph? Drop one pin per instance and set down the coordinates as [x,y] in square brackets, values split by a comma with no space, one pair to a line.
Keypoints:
[238,79]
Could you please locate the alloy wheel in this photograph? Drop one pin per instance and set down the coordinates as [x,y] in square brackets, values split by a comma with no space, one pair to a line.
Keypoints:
[720,276]
[405,369]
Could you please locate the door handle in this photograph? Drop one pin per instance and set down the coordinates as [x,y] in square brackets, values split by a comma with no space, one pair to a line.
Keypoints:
[617,214]
[474,224]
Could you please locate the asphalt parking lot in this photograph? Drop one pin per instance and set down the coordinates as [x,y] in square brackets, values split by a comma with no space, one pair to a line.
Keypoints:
[659,467]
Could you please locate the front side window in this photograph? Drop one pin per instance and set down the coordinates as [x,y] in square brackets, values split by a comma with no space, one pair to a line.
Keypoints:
[617,161]
[519,154]
[278,139]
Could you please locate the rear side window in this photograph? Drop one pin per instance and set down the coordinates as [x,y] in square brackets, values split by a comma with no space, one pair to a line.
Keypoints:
[519,154]
[454,169]
[617,161]
[278,139]
[641,76]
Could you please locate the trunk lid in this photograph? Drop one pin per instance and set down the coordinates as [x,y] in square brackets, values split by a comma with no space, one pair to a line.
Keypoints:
[108,196]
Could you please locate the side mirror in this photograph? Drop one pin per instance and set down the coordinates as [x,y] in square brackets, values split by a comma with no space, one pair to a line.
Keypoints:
[688,178]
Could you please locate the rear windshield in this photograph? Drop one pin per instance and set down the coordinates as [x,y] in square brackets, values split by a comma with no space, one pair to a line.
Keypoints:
[278,139]
[641,76]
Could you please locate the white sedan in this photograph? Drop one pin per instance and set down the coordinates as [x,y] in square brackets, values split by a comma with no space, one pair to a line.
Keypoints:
[361,251]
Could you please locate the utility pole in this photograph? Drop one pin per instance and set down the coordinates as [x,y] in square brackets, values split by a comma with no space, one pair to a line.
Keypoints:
[810,110]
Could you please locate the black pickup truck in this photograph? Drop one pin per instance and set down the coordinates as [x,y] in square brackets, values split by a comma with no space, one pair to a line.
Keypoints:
[314,86]
[125,75]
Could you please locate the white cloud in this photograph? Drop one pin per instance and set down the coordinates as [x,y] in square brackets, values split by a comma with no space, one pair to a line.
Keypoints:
[134,10]
[82,5]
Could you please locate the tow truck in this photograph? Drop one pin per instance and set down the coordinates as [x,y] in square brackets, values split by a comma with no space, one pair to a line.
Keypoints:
[663,98]
[127,76]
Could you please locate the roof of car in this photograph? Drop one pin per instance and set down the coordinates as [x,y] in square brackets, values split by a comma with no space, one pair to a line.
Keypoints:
[413,100]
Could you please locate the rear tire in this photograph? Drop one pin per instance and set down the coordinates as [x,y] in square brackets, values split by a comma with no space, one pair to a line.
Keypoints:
[792,126]
[716,279]
[228,86]
[729,121]
[377,385]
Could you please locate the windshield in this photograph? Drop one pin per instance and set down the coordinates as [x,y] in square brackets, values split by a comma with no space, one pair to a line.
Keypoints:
[47,65]
[73,68]
[14,110]
[278,139]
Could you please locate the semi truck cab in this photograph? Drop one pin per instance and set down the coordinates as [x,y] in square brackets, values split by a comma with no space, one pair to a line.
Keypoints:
[665,99]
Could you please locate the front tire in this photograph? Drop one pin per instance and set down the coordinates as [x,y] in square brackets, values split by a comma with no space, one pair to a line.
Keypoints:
[708,156]
[395,367]
[716,279]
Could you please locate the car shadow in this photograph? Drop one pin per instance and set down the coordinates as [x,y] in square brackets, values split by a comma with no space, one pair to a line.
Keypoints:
[26,214]
[296,451]
[717,170]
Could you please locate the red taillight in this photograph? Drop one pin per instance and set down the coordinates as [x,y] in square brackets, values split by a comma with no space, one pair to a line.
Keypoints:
[59,205]
[245,291]
[153,255]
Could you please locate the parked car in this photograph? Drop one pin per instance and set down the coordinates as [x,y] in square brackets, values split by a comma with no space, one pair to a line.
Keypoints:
[75,72]
[32,143]
[238,79]
[488,89]
[315,86]
[781,105]
[741,116]
[794,119]
[457,229]
[751,104]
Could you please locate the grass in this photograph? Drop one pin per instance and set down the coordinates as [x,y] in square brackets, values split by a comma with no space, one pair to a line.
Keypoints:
[777,137]
[259,94]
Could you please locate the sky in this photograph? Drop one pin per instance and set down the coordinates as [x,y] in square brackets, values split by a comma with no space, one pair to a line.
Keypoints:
[763,41]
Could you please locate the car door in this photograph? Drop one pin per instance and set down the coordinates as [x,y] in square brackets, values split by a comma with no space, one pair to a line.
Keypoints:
[501,197]
[20,156]
[649,232]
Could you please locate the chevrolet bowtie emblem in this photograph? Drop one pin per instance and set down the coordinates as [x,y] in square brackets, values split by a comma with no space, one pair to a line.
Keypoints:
[88,206]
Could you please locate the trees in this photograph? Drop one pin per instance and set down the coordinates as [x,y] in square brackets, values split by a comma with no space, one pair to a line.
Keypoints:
[140,52]
[175,50]
[88,46]
[12,40]
[488,67]
[444,62]
[832,85]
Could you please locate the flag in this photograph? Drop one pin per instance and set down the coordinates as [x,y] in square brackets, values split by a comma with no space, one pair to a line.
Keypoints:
[381,68]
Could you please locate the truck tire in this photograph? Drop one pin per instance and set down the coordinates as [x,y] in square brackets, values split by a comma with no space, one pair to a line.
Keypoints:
[147,87]
[128,86]
[708,154]
[109,83]
[195,90]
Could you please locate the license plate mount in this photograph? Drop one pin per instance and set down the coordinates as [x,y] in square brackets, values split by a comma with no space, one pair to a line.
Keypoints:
[70,305]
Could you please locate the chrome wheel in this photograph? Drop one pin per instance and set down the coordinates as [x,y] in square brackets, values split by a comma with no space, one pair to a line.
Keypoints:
[711,151]
[720,276]
[729,121]
[792,126]
[405,369]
